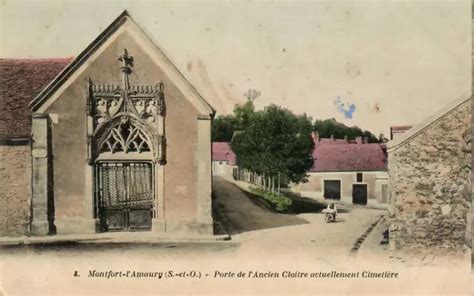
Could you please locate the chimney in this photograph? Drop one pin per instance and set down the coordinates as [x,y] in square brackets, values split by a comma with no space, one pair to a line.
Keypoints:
[346,139]
[332,138]
[315,136]
[366,140]
[359,140]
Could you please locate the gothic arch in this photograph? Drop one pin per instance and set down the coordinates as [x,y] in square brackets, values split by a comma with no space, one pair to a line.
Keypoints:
[124,134]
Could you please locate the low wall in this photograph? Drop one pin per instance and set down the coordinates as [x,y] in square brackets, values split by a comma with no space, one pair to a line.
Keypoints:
[15,189]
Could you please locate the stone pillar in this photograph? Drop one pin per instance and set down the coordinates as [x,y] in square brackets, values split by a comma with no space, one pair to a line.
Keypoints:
[40,224]
[89,222]
[204,176]
[158,220]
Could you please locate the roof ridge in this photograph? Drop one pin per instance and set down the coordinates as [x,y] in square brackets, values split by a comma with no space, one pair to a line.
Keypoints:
[199,103]
[70,58]
[78,60]
[429,121]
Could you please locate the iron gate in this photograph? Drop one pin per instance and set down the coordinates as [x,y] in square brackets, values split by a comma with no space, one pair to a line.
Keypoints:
[125,195]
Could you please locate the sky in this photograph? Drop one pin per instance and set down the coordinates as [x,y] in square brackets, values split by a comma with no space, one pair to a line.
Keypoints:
[367,63]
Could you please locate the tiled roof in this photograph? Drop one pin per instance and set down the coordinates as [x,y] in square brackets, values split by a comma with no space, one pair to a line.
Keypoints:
[323,141]
[329,156]
[20,81]
[221,151]
[336,156]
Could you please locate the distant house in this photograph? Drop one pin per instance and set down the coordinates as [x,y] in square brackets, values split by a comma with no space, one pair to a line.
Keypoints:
[430,182]
[397,131]
[350,171]
[223,159]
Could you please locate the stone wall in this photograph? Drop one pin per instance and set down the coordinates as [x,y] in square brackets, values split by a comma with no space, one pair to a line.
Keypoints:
[15,189]
[430,185]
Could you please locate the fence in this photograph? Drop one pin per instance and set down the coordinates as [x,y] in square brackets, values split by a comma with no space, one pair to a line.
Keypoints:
[265,182]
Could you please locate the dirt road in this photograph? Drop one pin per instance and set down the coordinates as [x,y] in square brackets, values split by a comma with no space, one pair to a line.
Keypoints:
[262,231]
[236,211]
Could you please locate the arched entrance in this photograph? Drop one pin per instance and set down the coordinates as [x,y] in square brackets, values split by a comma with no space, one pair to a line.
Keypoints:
[124,179]
[125,195]
[126,150]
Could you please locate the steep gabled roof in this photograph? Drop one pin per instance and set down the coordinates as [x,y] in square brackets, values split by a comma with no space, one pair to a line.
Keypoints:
[414,131]
[20,81]
[52,91]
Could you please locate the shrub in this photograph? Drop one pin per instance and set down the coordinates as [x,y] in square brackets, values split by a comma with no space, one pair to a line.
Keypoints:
[281,202]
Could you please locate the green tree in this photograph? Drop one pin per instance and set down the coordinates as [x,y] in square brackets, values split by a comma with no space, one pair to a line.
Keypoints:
[328,127]
[242,114]
[275,141]
[224,126]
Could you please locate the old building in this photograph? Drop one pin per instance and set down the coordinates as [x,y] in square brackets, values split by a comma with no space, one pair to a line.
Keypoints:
[223,160]
[118,141]
[430,182]
[350,171]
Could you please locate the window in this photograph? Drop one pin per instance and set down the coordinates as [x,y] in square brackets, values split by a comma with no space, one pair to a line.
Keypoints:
[332,189]
[384,193]
[360,178]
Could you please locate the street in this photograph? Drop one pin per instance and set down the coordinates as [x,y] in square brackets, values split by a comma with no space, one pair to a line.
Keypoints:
[261,230]
[263,243]
[253,228]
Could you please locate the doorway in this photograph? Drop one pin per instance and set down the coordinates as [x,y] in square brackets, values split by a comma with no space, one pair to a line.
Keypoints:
[359,194]
[125,195]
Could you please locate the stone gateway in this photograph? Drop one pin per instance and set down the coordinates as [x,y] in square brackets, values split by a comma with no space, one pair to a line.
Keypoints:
[120,141]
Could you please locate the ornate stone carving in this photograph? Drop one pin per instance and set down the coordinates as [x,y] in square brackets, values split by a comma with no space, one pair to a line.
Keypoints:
[126,118]
[125,138]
